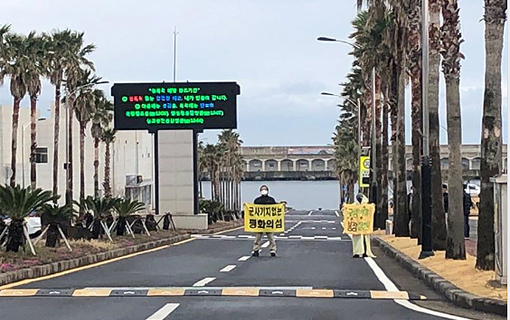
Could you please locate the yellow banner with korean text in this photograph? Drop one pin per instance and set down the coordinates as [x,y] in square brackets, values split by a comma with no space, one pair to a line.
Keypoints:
[358,218]
[264,217]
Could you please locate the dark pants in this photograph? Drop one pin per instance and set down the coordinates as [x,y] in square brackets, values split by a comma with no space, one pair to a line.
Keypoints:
[466,226]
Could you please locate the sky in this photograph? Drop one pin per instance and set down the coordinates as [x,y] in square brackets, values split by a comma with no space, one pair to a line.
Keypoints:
[269,47]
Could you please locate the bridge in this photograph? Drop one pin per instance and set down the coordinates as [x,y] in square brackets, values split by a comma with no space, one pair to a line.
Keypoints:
[316,162]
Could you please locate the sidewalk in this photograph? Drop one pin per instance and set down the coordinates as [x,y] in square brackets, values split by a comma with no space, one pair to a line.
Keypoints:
[461,273]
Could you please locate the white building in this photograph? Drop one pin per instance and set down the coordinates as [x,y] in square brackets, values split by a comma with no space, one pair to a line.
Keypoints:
[131,156]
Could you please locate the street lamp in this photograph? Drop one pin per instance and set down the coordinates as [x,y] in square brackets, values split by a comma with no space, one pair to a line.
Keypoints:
[23,153]
[374,136]
[69,124]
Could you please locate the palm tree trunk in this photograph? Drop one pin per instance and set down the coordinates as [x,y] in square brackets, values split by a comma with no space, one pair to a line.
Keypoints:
[393,105]
[495,17]
[438,216]
[33,140]
[69,170]
[401,213]
[455,246]
[107,189]
[96,167]
[56,133]
[415,65]
[14,141]
[384,165]
[82,160]
[379,222]
[416,115]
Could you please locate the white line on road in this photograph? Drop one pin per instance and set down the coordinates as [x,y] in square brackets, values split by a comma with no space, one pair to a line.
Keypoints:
[336,212]
[203,282]
[313,228]
[244,258]
[390,286]
[265,244]
[323,228]
[228,268]
[310,213]
[164,312]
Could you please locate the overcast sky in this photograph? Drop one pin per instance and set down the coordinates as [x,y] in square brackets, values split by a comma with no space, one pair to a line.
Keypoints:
[267,46]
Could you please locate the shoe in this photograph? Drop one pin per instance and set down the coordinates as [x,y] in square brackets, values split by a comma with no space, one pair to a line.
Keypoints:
[273,254]
[255,254]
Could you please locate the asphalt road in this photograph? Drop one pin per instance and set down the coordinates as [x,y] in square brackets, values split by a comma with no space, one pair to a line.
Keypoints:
[214,277]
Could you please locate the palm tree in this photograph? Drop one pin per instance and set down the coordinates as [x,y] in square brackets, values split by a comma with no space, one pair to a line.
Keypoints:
[108,137]
[56,217]
[212,156]
[37,46]
[455,246]
[438,215]
[14,62]
[101,118]
[17,203]
[414,67]
[60,56]
[495,17]
[101,209]
[85,107]
[202,166]
[76,63]
[229,141]
[124,209]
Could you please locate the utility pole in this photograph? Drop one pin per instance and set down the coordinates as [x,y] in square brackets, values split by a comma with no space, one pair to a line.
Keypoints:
[426,246]
[175,50]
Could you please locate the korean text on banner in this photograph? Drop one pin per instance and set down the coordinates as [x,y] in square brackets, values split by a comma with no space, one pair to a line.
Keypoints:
[264,218]
[358,218]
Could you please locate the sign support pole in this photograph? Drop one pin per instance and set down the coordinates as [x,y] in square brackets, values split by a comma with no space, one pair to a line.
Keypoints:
[156,172]
[195,171]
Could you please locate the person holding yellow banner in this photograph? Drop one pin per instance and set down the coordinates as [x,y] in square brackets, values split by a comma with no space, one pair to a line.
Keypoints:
[264,199]
[358,222]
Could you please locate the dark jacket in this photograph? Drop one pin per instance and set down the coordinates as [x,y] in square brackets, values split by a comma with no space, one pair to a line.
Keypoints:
[264,200]
[445,201]
[467,204]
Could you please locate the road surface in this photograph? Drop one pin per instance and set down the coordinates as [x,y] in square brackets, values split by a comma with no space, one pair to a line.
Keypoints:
[214,277]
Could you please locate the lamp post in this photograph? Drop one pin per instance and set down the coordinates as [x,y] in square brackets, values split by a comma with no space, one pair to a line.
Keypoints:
[69,124]
[374,136]
[358,107]
[426,245]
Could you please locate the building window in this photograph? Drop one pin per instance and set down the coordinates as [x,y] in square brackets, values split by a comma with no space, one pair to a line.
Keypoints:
[41,155]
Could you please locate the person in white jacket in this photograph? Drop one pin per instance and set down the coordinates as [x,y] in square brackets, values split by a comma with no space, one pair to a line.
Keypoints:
[361,243]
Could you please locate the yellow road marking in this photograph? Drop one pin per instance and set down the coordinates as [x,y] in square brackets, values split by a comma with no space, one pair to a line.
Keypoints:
[18,292]
[92,293]
[399,295]
[89,266]
[166,292]
[247,292]
[314,293]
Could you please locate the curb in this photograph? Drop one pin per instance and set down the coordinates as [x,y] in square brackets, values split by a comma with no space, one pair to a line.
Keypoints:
[451,292]
[55,267]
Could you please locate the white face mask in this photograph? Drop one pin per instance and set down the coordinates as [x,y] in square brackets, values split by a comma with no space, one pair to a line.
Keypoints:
[264,192]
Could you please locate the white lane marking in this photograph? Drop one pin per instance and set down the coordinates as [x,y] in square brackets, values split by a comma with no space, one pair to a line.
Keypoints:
[294,237]
[310,213]
[313,228]
[390,286]
[337,214]
[228,268]
[164,312]
[244,236]
[323,228]
[334,229]
[244,258]
[265,244]
[321,237]
[203,282]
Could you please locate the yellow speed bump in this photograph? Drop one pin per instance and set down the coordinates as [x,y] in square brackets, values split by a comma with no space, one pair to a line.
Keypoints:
[18,292]
[166,292]
[92,293]
[314,293]
[398,295]
[248,292]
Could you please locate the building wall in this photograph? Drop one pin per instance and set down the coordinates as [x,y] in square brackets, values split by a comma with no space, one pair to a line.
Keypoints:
[131,154]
